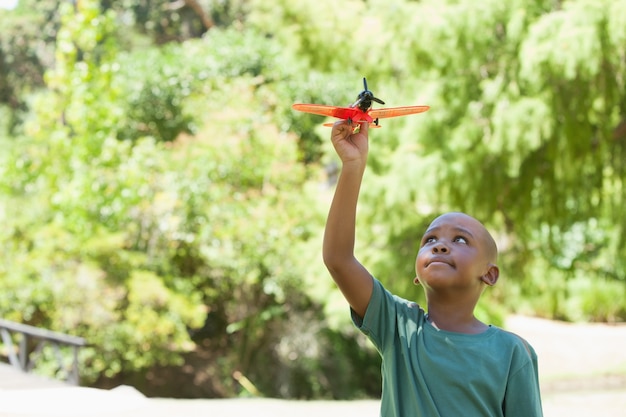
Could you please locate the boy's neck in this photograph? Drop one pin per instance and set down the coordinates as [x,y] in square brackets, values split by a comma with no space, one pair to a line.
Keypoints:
[455,320]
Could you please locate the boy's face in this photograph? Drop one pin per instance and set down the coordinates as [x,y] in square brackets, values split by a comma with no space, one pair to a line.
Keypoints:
[456,252]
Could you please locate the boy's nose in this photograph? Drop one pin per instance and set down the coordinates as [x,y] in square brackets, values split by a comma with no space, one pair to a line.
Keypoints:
[440,247]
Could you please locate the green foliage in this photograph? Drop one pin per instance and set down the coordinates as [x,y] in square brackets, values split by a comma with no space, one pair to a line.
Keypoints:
[158,93]
[316,41]
[160,20]
[140,243]
[26,47]
[154,91]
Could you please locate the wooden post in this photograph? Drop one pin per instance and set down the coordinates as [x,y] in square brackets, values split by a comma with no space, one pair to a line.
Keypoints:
[23,355]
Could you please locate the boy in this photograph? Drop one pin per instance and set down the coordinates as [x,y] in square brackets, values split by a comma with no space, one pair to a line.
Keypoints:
[444,363]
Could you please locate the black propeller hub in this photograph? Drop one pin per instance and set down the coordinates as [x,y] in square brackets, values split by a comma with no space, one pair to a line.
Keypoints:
[364,99]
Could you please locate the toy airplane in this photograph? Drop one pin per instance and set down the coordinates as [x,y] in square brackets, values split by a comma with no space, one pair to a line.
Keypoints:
[361,110]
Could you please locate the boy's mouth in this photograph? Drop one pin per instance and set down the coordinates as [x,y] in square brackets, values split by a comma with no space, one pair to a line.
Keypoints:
[438,260]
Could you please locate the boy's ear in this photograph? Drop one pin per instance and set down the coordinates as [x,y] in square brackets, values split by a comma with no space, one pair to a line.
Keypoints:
[491,276]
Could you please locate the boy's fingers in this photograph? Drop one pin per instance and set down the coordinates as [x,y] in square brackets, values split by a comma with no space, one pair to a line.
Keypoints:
[341,129]
[344,128]
[340,124]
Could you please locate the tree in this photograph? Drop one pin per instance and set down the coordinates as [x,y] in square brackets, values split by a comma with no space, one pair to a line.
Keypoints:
[25,52]
[162,252]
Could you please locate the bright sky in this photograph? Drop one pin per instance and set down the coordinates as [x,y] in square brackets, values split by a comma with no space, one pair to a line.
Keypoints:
[8,4]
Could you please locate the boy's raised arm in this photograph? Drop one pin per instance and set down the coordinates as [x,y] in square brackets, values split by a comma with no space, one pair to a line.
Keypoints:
[354,281]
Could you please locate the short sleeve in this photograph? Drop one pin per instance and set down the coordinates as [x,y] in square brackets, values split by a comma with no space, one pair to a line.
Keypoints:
[380,322]
[523,397]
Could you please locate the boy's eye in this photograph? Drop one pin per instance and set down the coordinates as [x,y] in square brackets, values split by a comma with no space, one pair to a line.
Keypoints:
[433,239]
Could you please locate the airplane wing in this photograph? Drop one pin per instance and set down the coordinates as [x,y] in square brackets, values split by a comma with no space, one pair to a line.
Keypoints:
[396,111]
[331,111]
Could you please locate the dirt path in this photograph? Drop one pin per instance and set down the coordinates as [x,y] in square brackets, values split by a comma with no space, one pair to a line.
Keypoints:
[575,356]
[582,367]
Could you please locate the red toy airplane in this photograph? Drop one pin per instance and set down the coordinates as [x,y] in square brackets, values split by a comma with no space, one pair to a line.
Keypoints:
[361,110]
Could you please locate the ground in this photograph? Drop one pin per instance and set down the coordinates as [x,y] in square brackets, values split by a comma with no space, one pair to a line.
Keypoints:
[582,367]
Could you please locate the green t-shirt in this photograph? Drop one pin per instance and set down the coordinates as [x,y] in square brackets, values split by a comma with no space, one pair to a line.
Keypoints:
[435,373]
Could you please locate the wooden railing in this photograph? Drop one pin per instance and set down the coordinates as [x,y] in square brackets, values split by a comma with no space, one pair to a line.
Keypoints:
[24,357]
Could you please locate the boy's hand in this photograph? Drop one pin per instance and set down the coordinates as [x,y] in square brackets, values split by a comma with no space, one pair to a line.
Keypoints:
[350,146]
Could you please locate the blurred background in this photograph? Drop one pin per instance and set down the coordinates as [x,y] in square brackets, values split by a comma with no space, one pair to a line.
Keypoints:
[160,198]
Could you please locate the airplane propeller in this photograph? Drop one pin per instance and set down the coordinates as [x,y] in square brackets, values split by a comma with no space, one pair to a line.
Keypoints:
[365,98]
